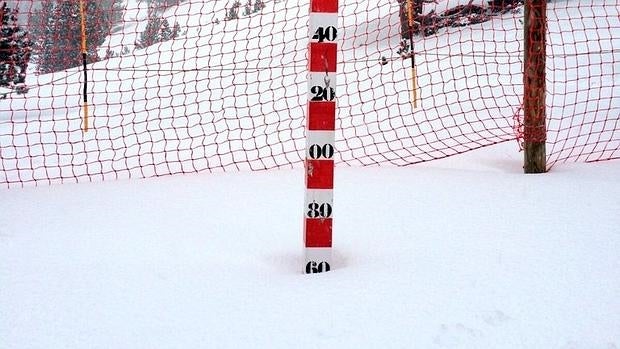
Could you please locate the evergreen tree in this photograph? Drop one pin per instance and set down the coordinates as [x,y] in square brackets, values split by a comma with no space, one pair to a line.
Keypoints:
[176,30]
[233,12]
[165,33]
[157,30]
[259,5]
[117,12]
[247,9]
[15,48]
[58,34]
[23,8]
[162,3]
[41,29]
[151,33]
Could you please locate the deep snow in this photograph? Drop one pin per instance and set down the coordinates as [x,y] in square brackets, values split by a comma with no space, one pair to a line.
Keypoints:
[465,252]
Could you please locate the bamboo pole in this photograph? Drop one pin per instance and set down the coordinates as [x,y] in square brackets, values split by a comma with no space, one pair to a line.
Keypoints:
[414,87]
[84,55]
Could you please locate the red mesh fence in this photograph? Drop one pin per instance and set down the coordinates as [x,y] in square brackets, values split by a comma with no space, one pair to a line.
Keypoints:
[186,86]
[583,81]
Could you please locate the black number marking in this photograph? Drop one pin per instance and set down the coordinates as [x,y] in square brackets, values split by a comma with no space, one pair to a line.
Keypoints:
[316,210]
[323,94]
[322,34]
[317,151]
[314,267]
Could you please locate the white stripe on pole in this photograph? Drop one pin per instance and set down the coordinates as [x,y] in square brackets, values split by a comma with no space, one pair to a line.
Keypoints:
[316,258]
[322,86]
[319,203]
[323,27]
[320,145]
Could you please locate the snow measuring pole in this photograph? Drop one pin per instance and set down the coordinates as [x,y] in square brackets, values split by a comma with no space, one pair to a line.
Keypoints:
[320,135]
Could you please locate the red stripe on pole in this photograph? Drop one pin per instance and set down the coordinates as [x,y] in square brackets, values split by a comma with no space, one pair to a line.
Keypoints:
[323,56]
[319,174]
[318,232]
[321,116]
[324,6]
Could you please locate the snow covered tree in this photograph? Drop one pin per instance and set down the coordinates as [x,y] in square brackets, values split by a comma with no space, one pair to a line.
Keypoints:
[151,34]
[233,12]
[162,3]
[42,25]
[23,8]
[57,35]
[117,11]
[259,5]
[157,30]
[165,32]
[176,30]
[247,9]
[15,48]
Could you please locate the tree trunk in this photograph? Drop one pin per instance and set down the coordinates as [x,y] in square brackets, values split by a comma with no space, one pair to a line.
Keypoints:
[534,107]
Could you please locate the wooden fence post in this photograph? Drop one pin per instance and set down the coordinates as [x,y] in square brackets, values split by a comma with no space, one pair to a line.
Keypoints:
[534,131]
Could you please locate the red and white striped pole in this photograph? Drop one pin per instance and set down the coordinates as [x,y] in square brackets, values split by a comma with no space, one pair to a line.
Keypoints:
[320,135]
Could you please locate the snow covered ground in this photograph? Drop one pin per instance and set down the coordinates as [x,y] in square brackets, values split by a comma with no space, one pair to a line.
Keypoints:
[465,252]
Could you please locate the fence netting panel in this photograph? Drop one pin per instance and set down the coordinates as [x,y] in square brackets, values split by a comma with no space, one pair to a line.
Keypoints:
[583,81]
[197,85]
